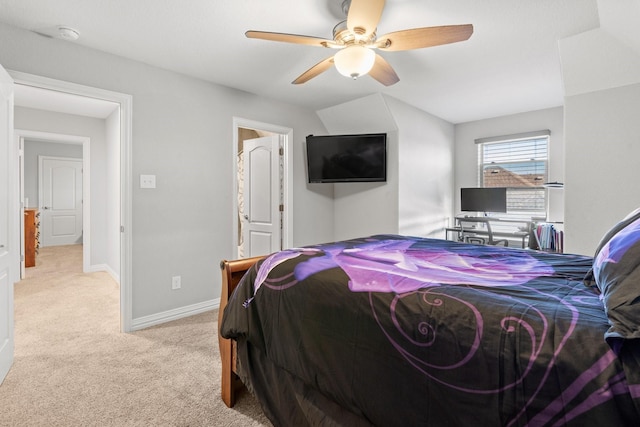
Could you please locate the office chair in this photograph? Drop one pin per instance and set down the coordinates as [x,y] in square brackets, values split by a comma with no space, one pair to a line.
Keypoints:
[491,240]
[468,233]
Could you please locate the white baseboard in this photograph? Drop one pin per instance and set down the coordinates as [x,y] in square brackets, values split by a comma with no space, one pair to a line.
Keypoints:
[174,314]
[104,267]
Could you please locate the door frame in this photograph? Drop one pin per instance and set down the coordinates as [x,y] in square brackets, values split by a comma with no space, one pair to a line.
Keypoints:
[9,250]
[21,135]
[126,211]
[286,135]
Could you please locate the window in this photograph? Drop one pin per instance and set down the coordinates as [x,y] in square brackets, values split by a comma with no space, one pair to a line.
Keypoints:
[518,162]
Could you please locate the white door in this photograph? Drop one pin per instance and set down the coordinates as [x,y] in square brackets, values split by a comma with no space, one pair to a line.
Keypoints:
[261,216]
[60,201]
[9,241]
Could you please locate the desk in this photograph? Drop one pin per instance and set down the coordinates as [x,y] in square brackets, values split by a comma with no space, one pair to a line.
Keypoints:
[482,231]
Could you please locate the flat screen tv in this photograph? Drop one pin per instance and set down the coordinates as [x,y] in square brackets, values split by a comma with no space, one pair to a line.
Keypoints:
[492,199]
[347,158]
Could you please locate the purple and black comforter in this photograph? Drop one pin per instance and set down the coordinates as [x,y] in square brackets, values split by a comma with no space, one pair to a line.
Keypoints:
[403,331]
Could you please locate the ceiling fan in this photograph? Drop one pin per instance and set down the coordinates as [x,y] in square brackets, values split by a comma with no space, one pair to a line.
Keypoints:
[355,39]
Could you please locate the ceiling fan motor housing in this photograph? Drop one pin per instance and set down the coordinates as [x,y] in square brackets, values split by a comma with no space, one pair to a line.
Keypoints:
[342,35]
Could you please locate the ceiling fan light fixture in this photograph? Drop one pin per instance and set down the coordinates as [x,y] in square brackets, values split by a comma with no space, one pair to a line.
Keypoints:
[354,61]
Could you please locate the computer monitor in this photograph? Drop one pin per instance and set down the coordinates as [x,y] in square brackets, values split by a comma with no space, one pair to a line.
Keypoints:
[489,199]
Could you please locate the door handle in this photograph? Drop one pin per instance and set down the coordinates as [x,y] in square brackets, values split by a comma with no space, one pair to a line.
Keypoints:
[45,207]
[246,217]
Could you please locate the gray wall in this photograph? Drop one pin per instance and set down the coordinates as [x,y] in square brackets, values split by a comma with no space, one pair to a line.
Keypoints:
[182,133]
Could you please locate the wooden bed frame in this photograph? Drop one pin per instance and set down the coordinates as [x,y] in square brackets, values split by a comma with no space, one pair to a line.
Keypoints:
[232,272]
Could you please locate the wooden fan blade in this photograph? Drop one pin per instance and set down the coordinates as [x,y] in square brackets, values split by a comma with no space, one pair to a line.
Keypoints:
[364,15]
[312,72]
[417,38]
[290,38]
[383,72]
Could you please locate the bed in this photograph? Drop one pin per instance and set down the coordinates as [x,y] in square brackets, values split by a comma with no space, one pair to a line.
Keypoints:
[392,330]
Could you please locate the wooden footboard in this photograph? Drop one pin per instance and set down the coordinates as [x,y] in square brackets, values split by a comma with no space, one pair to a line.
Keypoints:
[232,272]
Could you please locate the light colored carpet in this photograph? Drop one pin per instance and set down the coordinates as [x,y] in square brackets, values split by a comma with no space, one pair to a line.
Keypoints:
[74,368]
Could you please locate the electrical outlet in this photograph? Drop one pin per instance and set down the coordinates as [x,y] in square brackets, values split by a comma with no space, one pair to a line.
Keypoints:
[176,282]
[147,181]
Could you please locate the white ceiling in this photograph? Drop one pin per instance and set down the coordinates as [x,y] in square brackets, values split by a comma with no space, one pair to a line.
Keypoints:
[509,65]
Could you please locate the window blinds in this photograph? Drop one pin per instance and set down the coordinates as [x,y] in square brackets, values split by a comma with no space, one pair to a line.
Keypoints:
[518,162]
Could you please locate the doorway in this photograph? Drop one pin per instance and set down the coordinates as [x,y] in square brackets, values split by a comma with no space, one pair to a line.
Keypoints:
[259,194]
[276,172]
[34,144]
[118,161]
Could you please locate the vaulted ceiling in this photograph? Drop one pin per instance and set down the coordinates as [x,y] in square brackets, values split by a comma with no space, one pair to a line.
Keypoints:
[510,64]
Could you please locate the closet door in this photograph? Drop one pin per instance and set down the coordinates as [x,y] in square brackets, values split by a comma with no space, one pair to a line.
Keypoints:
[261,222]
[61,200]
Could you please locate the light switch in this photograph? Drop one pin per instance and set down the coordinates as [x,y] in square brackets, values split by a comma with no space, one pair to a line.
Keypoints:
[147,181]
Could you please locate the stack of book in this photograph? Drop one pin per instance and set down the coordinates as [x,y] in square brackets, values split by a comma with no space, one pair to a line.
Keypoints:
[548,238]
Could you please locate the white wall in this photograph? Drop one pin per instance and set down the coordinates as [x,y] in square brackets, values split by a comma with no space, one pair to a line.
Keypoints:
[601,74]
[416,199]
[425,172]
[182,133]
[603,146]
[466,151]
[364,208]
